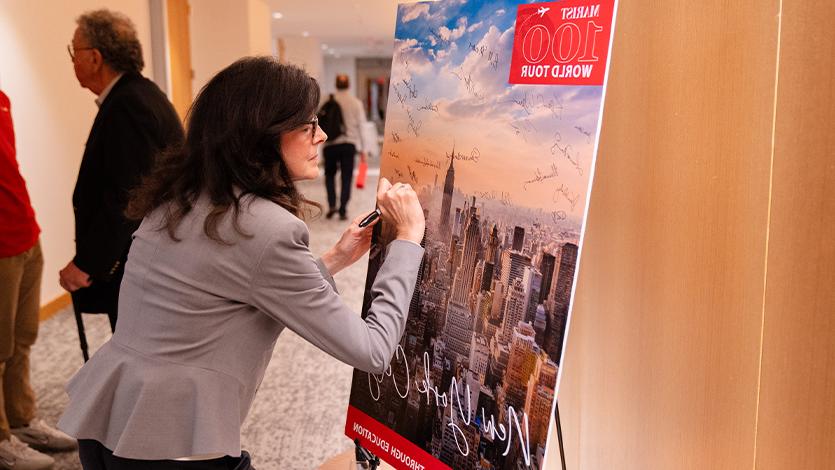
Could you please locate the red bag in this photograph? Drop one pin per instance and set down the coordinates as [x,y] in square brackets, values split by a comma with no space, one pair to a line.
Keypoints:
[363,169]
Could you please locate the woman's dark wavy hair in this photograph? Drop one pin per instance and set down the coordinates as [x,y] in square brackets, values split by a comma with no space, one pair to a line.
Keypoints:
[232,146]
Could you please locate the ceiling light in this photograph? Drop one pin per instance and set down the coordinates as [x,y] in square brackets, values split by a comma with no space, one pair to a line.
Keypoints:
[277,15]
[305,34]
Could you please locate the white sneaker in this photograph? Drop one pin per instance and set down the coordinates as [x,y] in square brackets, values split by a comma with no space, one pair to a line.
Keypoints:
[41,436]
[15,455]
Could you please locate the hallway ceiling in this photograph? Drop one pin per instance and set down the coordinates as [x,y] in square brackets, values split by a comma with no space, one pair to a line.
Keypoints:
[363,28]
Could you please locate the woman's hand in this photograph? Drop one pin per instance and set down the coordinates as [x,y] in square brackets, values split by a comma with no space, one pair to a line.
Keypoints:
[353,243]
[401,208]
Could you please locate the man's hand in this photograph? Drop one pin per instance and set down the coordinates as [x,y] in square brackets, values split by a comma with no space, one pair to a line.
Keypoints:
[363,157]
[71,278]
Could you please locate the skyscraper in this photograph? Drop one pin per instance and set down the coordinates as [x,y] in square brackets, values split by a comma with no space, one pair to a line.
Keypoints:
[493,246]
[456,223]
[520,365]
[458,330]
[513,266]
[486,276]
[446,203]
[518,238]
[514,312]
[561,287]
[540,397]
[546,267]
[532,282]
[462,285]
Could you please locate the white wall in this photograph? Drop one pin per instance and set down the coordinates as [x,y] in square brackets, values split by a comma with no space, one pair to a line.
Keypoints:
[334,67]
[260,36]
[223,31]
[52,113]
[303,52]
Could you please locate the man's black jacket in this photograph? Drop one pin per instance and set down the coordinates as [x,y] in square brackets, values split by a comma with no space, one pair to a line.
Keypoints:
[134,124]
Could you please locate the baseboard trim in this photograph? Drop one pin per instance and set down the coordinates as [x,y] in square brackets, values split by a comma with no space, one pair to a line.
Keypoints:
[56,305]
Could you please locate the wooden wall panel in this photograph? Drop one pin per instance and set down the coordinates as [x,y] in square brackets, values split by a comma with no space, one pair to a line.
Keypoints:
[179,49]
[796,426]
[662,362]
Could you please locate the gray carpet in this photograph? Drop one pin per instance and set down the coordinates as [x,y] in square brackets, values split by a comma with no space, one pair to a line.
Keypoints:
[298,416]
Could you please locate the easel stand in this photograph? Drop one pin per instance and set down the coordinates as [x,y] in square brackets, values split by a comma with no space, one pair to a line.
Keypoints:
[559,434]
[365,459]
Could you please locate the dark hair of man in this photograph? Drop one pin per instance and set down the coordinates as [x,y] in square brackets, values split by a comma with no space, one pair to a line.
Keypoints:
[342,82]
[114,35]
[232,147]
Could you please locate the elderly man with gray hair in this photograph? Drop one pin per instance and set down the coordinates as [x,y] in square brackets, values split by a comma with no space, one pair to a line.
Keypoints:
[135,122]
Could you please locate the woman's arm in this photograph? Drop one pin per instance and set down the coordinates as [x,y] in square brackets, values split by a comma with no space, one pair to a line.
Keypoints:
[398,204]
[353,243]
[289,286]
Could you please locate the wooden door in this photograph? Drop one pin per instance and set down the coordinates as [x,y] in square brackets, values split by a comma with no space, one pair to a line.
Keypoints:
[662,362]
[179,48]
[796,425]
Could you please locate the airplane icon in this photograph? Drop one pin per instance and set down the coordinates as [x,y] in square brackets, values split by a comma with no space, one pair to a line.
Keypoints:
[541,11]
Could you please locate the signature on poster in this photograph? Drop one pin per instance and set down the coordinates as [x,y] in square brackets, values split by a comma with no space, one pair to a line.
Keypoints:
[469,83]
[492,56]
[558,216]
[428,106]
[461,409]
[400,97]
[414,125]
[411,88]
[564,193]
[412,174]
[493,60]
[523,128]
[436,164]
[585,133]
[530,102]
[539,176]
[486,195]
[474,156]
[566,152]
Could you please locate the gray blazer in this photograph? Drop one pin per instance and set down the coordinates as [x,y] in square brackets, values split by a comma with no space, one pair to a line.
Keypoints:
[198,322]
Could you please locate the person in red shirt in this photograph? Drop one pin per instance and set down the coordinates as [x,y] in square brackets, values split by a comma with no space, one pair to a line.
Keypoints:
[21,266]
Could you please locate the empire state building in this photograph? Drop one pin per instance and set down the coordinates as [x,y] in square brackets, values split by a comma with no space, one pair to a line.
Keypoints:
[447,200]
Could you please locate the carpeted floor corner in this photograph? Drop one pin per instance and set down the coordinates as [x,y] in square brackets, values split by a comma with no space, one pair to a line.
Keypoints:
[298,417]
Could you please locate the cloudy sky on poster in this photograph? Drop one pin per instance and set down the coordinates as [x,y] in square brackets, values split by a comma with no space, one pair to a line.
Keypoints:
[450,86]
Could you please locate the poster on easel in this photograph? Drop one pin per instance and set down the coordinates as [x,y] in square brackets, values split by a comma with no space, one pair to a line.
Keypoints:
[493,116]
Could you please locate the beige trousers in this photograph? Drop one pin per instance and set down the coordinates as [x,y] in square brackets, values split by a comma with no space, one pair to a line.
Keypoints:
[20,292]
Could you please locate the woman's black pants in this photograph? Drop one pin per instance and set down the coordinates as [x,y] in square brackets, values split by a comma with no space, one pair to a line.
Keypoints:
[95,456]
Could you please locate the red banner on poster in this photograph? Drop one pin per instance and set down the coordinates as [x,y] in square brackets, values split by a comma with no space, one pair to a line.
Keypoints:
[383,442]
[561,43]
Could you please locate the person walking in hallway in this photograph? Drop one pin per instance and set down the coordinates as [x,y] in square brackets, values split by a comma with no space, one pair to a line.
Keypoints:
[340,149]
[135,122]
[21,266]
